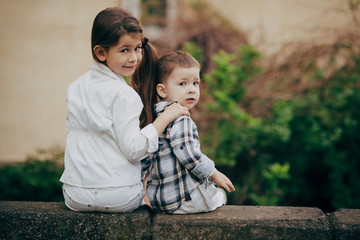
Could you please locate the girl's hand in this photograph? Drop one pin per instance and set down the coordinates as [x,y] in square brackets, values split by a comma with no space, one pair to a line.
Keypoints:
[170,113]
[222,181]
[175,110]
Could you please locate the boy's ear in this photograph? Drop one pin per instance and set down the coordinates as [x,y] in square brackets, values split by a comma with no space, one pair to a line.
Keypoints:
[100,53]
[161,90]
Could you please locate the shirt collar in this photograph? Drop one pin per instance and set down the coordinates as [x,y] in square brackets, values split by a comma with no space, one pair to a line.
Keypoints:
[106,70]
[160,107]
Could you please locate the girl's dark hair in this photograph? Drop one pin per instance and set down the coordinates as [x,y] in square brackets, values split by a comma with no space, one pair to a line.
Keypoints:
[143,81]
[111,24]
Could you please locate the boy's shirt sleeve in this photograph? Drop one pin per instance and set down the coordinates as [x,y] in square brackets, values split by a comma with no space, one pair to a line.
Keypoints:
[184,140]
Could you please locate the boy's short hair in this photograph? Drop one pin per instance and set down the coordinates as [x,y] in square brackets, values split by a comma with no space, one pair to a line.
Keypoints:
[168,62]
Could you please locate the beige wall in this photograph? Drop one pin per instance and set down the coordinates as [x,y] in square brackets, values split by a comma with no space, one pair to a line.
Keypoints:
[44,46]
[269,23]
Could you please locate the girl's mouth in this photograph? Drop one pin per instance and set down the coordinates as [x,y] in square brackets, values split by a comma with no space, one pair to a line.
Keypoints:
[129,67]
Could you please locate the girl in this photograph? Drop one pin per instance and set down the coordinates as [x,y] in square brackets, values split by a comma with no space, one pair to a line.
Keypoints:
[105,144]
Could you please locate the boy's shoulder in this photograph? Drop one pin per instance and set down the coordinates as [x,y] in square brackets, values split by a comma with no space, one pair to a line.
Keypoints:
[160,107]
[181,124]
[183,118]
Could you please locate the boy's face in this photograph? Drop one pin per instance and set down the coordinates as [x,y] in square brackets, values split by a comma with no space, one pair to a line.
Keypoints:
[181,85]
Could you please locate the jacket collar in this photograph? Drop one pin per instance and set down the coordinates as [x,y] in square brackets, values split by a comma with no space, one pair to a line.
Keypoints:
[100,67]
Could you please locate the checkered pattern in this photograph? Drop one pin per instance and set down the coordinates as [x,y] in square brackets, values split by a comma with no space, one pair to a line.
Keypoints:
[178,166]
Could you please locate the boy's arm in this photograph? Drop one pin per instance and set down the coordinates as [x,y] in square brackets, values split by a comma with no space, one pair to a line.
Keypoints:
[222,181]
[185,143]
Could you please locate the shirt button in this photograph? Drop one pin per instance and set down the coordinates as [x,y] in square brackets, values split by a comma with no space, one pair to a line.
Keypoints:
[181,148]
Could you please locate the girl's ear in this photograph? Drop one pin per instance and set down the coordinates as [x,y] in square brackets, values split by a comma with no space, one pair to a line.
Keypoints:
[161,90]
[100,53]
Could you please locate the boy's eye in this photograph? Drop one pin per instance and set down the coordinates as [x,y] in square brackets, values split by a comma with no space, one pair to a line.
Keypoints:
[196,83]
[124,50]
[182,84]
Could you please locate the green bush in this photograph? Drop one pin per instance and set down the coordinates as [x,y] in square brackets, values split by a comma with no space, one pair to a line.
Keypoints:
[36,179]
[324,143]
[237,139]
[304,151]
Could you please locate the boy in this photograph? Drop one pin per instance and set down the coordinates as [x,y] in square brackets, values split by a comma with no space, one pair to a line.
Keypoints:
[181,177]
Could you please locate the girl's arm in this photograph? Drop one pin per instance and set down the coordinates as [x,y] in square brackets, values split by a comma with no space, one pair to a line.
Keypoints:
[136,143]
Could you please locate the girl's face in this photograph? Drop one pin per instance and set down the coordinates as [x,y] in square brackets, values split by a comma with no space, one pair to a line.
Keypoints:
[125,55]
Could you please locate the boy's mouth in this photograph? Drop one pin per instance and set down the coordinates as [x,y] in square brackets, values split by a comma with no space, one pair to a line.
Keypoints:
[190,99]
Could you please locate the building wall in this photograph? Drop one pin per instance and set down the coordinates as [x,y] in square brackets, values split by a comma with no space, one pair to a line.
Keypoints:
[45,45]
[269,23]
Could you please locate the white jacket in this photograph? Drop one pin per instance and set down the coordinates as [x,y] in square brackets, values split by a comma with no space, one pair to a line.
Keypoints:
[104,145]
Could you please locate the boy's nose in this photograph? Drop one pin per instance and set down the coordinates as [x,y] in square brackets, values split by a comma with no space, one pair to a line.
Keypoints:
[192,89]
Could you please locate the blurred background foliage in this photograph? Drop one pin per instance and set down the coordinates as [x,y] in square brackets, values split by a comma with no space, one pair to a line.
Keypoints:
[284,128]
[36,179]
[301,148]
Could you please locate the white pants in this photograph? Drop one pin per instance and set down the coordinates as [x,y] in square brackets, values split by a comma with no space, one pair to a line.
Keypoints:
[112,200]
[205,198]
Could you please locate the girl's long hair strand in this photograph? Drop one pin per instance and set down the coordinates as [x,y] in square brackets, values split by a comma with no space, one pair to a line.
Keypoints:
[143,81]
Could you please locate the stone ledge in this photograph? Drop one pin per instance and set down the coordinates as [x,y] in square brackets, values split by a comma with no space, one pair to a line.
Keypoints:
[346,223]
[246,222]
[49,220]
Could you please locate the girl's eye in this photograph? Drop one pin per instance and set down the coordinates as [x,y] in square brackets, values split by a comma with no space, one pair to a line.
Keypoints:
[137,48]
[124,50]
[182,84]
[196,83]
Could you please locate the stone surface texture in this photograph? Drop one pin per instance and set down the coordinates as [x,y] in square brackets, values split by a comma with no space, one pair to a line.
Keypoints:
[49,220]
[245,222]
[52,220]
[346,223]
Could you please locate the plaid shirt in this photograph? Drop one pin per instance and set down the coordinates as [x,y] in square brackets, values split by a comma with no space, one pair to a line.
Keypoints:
[178,166]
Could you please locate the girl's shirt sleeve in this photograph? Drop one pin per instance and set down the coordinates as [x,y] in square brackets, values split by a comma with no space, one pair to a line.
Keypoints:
[185,142]
[135,143]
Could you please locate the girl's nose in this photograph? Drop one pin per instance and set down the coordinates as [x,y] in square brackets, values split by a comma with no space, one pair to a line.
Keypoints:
[133,57]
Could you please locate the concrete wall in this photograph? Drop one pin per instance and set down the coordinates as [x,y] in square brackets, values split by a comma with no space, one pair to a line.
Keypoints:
[44,220]
[44,46]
